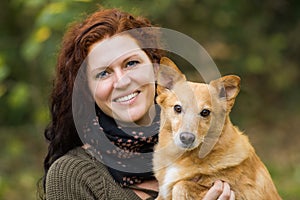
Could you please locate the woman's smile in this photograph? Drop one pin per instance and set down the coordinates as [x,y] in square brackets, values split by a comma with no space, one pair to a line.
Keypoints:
[128,99]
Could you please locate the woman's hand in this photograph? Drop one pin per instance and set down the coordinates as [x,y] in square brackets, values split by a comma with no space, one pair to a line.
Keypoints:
[219,191]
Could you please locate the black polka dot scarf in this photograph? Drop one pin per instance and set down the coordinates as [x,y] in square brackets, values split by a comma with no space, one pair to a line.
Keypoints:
[126,151]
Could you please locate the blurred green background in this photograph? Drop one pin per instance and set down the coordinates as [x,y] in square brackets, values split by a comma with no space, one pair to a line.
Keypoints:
[257,40]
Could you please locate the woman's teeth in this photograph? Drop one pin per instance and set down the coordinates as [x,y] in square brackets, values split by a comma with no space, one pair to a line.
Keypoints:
[127,98]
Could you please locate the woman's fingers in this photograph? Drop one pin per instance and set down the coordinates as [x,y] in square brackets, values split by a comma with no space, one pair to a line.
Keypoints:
[220,191]
[232,195]
[215,191]
[226,192]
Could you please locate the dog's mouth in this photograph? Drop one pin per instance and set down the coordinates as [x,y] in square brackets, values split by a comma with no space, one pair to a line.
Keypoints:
[187,147]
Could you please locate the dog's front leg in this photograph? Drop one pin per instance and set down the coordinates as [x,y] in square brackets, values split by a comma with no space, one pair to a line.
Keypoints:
[188,190]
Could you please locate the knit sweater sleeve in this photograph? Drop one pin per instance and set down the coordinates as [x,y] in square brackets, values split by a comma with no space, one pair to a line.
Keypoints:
[76,176]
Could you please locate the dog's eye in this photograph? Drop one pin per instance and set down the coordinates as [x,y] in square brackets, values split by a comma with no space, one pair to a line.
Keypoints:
[204,113]
[177,108]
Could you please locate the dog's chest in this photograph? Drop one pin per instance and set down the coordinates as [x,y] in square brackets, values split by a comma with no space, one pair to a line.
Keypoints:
[172,175]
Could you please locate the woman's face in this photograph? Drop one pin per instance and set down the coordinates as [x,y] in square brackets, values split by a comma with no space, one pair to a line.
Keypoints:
[121,78]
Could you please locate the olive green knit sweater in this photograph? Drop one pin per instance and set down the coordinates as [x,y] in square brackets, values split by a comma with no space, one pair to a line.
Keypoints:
[77,175]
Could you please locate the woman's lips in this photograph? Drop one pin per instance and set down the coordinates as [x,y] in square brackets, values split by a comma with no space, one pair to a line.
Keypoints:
[127,98]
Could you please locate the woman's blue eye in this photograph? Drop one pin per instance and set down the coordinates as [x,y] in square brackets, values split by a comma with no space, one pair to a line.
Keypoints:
[132,63]
[102,74]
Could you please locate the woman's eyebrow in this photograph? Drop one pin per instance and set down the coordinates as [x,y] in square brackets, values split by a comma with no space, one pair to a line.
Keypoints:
[131,56]
[100,68]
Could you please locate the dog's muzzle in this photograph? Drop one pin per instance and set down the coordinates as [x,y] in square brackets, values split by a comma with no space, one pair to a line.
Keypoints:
[187,138]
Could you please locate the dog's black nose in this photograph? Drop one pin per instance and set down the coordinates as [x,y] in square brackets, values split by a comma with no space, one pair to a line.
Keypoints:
[187,138]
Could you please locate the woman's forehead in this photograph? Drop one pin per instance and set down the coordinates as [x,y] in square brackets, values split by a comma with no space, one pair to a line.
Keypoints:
[108,50]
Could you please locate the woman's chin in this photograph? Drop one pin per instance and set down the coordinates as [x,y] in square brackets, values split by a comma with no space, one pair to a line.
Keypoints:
[133,116]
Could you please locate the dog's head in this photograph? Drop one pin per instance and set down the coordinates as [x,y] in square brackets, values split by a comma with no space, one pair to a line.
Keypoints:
[194,113]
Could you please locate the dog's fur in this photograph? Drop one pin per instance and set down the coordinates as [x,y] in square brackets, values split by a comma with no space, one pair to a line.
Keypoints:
[187,167]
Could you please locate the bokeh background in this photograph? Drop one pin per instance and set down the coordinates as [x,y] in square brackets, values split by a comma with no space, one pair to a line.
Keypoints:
[257,40]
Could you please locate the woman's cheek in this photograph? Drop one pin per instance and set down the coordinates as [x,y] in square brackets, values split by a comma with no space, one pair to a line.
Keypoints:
[102,91]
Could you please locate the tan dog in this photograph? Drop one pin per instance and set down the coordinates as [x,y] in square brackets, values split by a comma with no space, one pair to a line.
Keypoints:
[198,143]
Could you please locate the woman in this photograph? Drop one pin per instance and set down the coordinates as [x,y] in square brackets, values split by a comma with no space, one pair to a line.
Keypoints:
[116,76]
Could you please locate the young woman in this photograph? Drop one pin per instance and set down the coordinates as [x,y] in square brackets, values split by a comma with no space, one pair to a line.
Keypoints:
[103,151]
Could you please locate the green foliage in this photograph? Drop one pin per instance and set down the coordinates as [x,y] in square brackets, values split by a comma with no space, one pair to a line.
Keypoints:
[257,40]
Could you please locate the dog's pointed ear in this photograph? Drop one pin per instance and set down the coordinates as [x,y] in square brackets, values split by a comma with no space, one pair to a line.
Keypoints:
[228,88]
[168,75]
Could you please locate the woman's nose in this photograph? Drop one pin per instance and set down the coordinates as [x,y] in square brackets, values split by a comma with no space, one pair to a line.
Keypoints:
[122,80]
